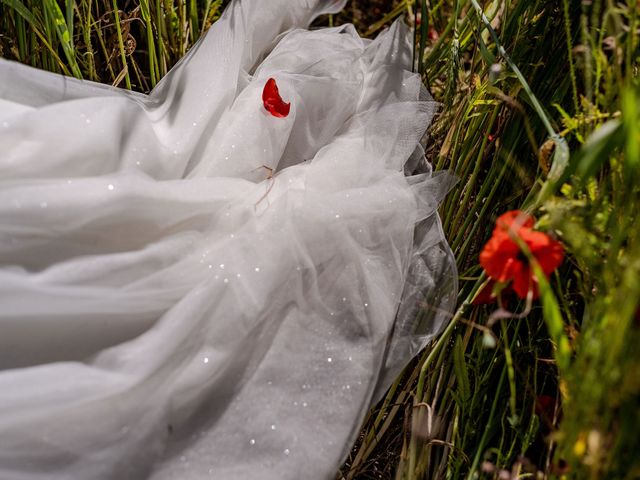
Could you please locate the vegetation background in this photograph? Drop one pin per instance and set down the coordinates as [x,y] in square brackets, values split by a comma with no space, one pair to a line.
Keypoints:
[540,110]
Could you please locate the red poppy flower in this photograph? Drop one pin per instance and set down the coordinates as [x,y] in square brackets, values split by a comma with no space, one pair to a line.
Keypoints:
[503,260]
[273,101]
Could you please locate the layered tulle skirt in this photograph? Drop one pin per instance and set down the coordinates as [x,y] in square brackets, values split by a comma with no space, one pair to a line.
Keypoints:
[191,287]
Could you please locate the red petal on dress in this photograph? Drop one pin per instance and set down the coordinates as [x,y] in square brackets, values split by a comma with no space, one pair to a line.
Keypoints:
[273,101]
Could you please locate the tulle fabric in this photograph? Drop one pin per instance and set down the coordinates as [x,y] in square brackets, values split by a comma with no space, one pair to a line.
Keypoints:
[192,288]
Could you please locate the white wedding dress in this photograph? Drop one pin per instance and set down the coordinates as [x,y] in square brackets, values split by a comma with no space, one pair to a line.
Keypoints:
[169,309]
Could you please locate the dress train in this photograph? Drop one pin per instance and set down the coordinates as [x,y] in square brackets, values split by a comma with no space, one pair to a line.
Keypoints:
[193,288]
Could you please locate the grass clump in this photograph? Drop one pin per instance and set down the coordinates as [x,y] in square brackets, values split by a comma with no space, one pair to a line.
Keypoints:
[123,43]
[540,112]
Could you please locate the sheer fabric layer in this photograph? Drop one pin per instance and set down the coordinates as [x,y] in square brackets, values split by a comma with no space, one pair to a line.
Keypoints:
[193,288]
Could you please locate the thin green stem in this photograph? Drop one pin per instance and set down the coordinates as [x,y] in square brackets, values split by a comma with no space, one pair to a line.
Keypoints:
[123,56]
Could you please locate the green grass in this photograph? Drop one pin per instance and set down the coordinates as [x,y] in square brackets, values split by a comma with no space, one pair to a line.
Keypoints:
[125,43]
[539,112]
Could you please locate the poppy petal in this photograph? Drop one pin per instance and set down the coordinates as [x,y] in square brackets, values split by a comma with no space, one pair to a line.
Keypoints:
[272,100]
[485,294]
[514,220]
[525,281]
[548,252]
[490,292]
[499,258]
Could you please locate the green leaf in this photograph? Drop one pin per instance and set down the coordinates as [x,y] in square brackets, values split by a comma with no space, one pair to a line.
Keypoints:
[553,319]
[630,117]
[597,150]
[63,35]
[36,25]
